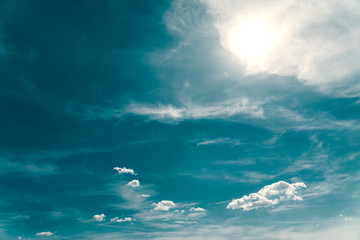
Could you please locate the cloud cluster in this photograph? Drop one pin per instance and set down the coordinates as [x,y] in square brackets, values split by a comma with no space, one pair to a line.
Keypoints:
[44,233]
[164,205]
[124,170]
[269,195]
[99,217]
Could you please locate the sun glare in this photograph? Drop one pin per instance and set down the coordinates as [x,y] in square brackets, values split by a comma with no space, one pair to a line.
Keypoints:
[251,40]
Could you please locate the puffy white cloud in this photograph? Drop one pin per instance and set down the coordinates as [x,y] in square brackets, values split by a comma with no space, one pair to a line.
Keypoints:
[269,195]
[146,195]
[164,205]
[127,219]
[134,183]
[166,113]
[124,170]
[44,233]
[99,218]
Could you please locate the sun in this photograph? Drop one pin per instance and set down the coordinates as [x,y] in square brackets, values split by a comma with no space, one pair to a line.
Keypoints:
[252,40]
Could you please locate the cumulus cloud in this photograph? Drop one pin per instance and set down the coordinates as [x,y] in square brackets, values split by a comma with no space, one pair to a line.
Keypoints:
[44,234]
[315,41]
[164,205]
[99,218]
[127,219]
[124,170]
[134,183]
[145,195]
[233,107]
[269,195]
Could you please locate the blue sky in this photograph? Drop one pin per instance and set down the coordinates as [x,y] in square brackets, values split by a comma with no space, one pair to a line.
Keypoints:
[198,119]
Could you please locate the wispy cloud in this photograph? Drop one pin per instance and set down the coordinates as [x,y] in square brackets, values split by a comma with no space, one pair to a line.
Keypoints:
[229,141]
[169,113]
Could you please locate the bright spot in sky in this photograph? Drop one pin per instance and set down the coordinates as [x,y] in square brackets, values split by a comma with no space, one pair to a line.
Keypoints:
[252,40]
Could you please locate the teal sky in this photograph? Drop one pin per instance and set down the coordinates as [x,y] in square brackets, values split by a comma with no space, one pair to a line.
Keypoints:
[181,119]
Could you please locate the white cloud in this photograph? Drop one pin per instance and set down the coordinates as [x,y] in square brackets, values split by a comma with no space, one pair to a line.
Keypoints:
[269,195]
[197,209]
[233,142]
[164,205]
[317,41]
[124,170]
[44,234]
[145,195]
[233,107]
[99,218]
[127,219]
[134,183]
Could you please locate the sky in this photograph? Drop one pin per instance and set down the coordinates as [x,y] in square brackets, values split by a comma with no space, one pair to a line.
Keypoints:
[201,119]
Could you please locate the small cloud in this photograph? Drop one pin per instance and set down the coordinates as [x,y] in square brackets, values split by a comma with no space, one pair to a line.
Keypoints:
[198,209]
[124,170]
[269,195]
[99,218]
[164,205]
[134,183]
[146,195]
[19,237]
[233,142]
[127,219]
[43,234]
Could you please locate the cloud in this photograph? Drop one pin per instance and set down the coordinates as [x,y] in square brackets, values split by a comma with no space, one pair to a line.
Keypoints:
[44,234]
[145,195]
[269,195]
[315,41]
[164,205]
[127,219]
[134,183]
[99,218]
[125,170]
[197,209]
[233,142]
[169,113]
